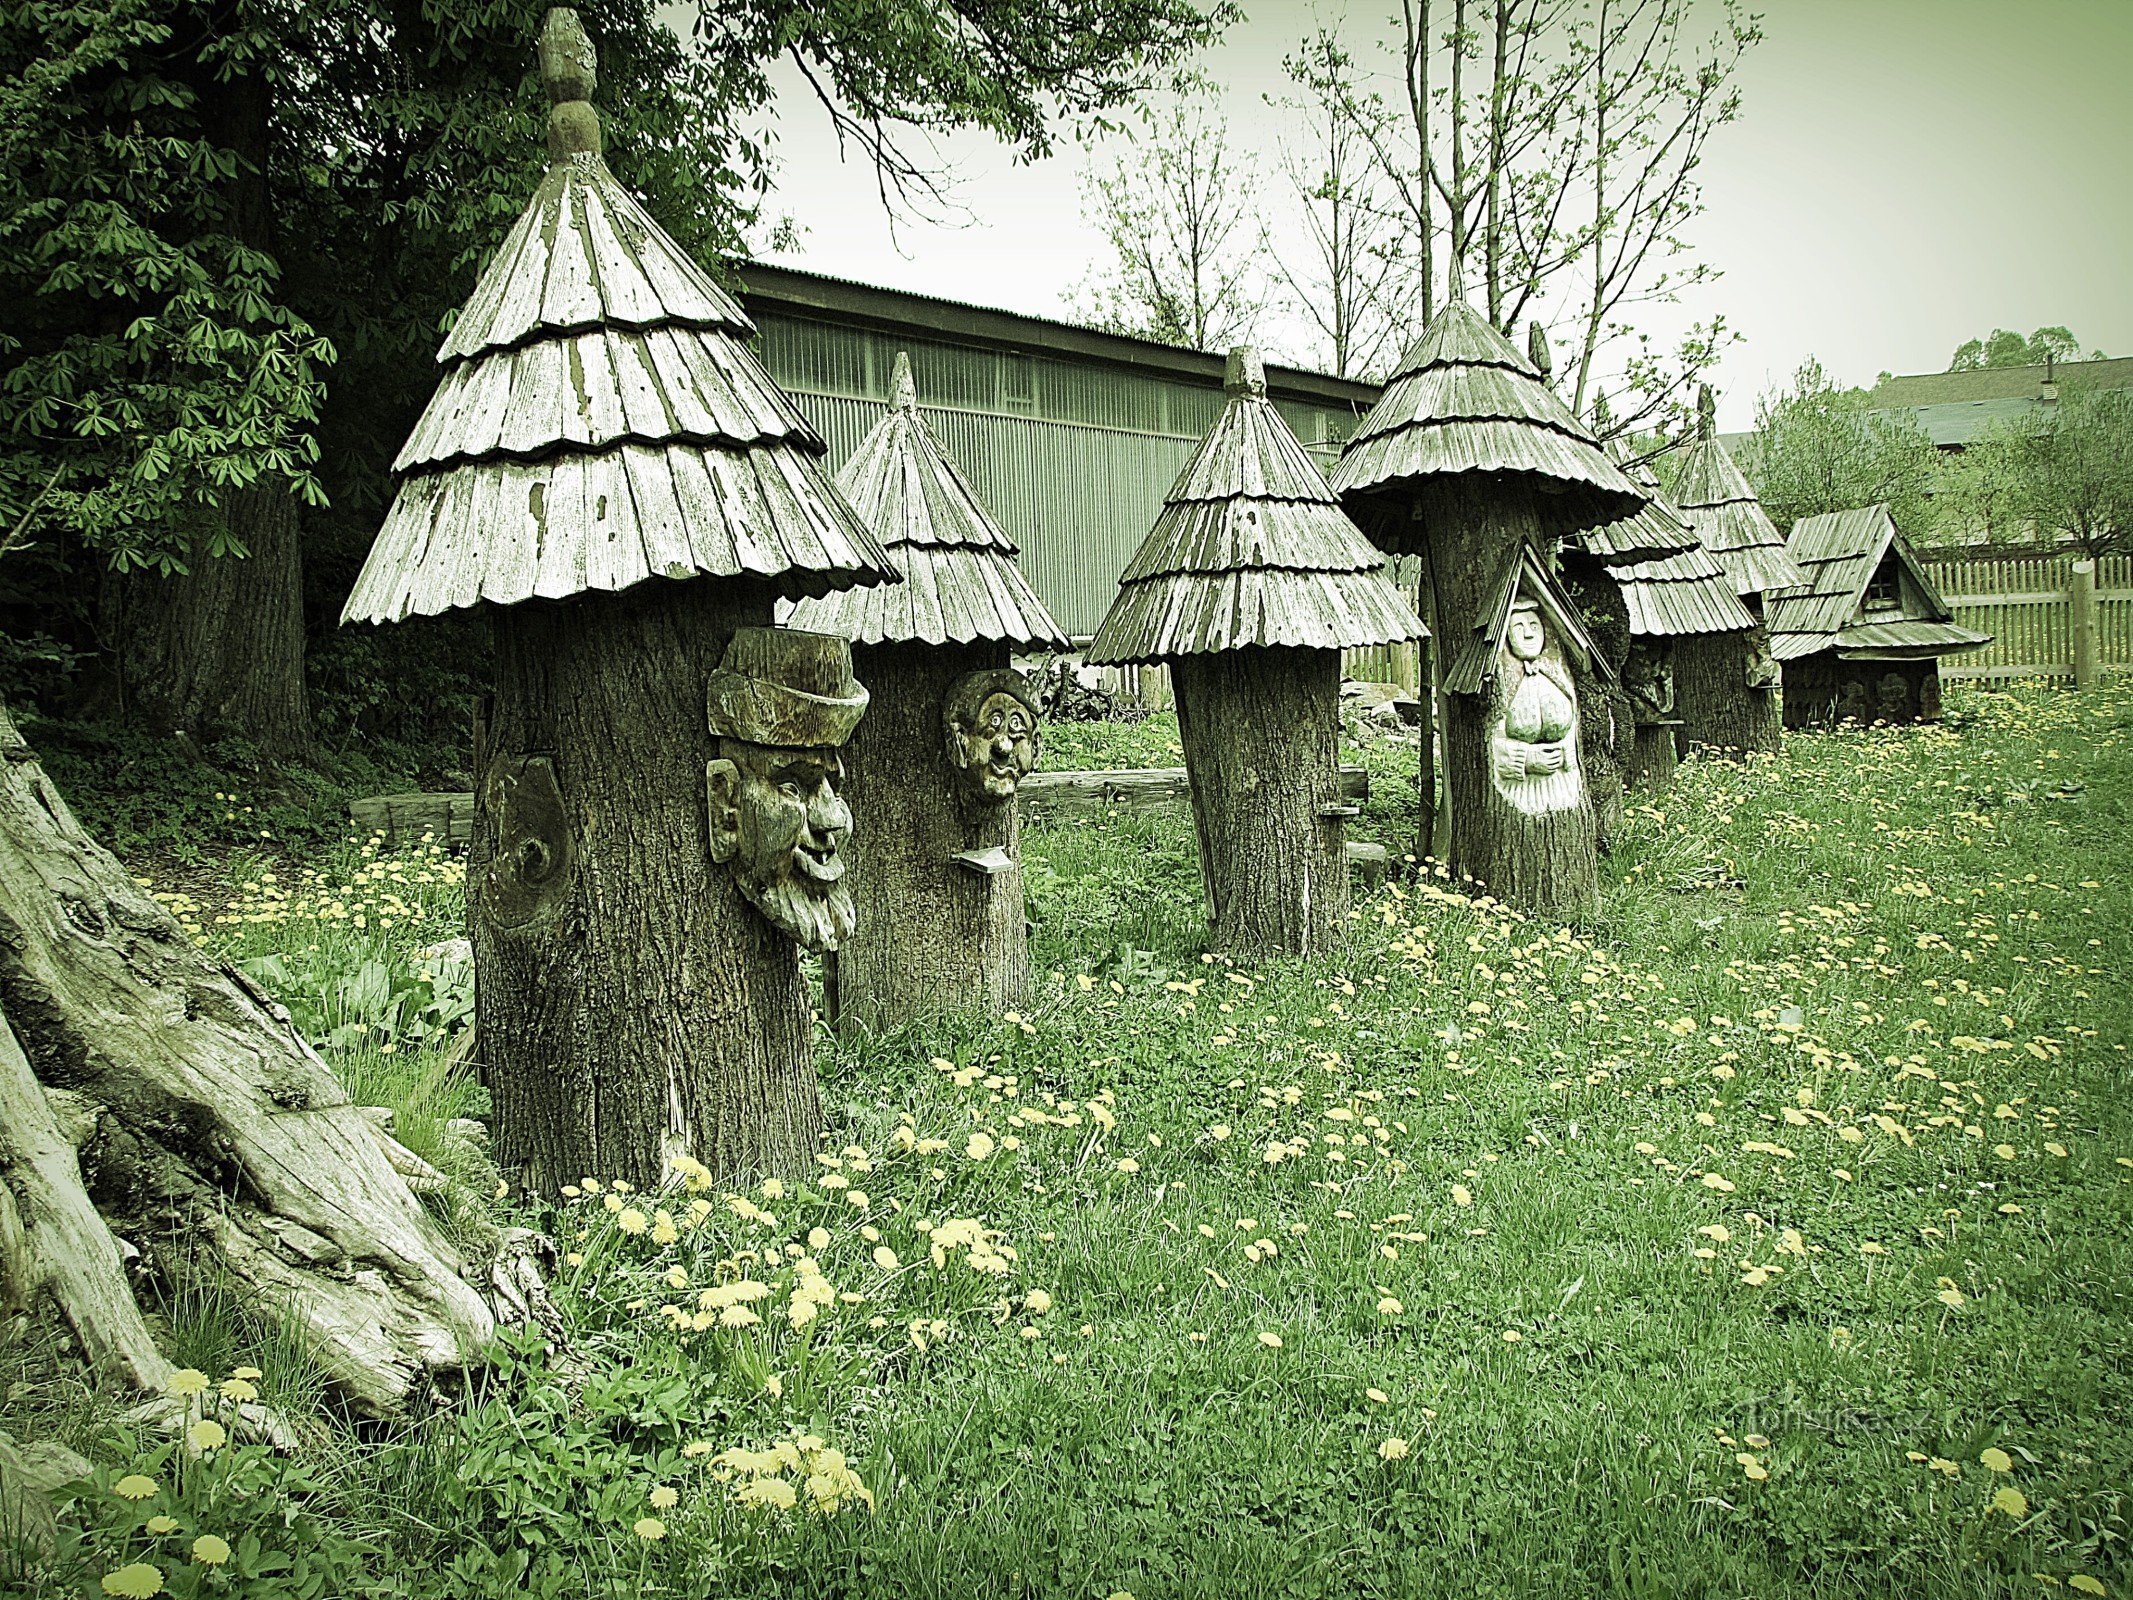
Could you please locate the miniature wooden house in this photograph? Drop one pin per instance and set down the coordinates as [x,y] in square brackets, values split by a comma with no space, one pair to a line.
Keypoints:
[1865,640]
[1249,586]
[933,773]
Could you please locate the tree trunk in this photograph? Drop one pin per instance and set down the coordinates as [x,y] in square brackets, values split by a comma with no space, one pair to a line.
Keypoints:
[1547,863]
[631,1004]
[218,651]
[935,935]
[1720,714]
[209,1135]
[1652,767]
[1606,730]
[1261,730]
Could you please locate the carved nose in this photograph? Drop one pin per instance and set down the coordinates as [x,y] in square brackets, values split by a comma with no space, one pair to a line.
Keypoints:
[829,816]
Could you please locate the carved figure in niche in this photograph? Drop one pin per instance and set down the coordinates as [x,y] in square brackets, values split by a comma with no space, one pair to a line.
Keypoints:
[1762,672]
[1893,699]
[783,704]
[991,723]
[1929,696]
[1648,675]
[1853,701]
[1533,745]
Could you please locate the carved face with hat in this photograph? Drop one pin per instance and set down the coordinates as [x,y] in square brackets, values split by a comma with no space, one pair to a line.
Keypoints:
[783,703]
[991,723]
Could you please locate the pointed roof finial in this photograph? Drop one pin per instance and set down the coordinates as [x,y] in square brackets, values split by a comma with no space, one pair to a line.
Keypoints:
[569,70]
[1537,350]
[903,393]
[1706,412]
[1244,373]
[1603,414]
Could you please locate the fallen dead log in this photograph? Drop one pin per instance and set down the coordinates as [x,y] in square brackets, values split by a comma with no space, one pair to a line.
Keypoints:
[199,1129]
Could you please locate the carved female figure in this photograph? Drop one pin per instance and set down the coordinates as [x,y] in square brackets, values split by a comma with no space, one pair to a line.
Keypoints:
[1533,742]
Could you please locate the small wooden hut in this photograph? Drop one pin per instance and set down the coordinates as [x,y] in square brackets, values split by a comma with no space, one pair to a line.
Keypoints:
[932,773]
[1726,684]
[1644,585]
[607,472]
[1471,462]
[1864,641]
[1248,587]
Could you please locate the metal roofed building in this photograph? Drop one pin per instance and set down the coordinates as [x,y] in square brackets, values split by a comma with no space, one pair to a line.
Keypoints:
[1070,435]
[1954,408]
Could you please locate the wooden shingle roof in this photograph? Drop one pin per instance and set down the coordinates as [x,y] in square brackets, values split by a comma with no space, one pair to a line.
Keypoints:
[601,421]
[1251,549]
[961,583]
[1463,400]
[1718,503]
[1670,584]
[1524,572]
[1840,552]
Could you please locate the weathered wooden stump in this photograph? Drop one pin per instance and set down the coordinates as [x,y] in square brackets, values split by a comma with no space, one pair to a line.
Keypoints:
[635,1003]
[1248,587]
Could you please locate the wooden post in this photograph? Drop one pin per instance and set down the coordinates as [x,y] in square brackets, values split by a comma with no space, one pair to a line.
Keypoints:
[2083,599]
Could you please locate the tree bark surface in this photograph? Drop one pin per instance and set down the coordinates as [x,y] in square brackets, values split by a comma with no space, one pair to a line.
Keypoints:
[209,1135]
[631,1004]
[934,936]
[1720,715]
[1548,864]
[1653,765]
[1261,730]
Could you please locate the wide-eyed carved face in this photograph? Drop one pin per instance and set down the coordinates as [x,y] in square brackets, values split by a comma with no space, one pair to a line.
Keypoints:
[992,736]
[779,823]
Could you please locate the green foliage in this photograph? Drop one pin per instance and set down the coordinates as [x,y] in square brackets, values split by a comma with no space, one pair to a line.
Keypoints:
[2073,464]
[2005,349]
[1818,448]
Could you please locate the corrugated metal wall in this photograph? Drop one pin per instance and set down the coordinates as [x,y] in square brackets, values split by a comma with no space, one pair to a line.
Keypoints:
[1073,458]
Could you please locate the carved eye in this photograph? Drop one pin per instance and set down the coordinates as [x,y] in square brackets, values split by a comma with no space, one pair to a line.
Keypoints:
[789,789]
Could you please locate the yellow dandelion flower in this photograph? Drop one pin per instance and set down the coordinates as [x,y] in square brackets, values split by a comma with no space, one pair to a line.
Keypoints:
[210,1551]
[161,1524]
[632,1221]
[1951,1297]
[663,1497]
[2006,1152]
[185,1383]
[239,1389]
[1393,1450]
[1712,1180]
[1127,1165]
[1996,1460]
[649,1528]
[980,1146]
[1751,1469]
[1461,1195]
[885,1258]
[134,1487]
[775,1493]
[252,1373]
[1271,1340]
[135,1582]
[2010,1501]
[1038,1301]
[206,1434]
[1377,1397]
[1389,1307]
[1512,1336]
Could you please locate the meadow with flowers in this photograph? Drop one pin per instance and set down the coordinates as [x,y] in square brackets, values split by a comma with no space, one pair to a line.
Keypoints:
[1768,1237]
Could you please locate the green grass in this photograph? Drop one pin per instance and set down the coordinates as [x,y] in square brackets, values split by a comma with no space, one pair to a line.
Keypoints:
[1826,993]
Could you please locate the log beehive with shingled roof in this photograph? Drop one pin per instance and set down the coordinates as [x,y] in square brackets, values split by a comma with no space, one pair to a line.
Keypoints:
[1250,584]
[937,877]
[1726,683]
[600,432]
[1467,459]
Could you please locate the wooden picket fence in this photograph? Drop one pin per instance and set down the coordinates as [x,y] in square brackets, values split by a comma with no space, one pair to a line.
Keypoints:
[2052,615]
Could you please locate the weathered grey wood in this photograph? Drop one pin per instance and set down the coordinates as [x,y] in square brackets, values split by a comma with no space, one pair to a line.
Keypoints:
[217,1137]
[405,819]
[1369,861]
[1726,694]
[1715,497]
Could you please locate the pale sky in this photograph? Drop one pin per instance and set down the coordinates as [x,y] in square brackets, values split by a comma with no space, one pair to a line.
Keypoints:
[1905,175]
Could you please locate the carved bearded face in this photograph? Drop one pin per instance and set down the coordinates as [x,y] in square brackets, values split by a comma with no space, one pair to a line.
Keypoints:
[777,818]
[992,737]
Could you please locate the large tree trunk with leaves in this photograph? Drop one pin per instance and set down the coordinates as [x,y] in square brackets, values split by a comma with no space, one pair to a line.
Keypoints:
[1721,713]
[1261,730]
[1547,863]
[151,1096]
[631,1005]
[218,651]
[938,931]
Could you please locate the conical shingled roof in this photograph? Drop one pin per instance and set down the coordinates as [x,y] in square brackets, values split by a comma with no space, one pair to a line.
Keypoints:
[1250,550]
[960,583]
[600,420]
[1464,401]
[1674,586]
[1715,497]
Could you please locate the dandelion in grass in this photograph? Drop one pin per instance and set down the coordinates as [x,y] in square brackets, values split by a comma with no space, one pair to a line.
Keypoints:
[980,1146]
[138,1581]
[1271,1340]
[774,1493]
[160,1525]
[239,1389]
[210,1551]
[1393,1450]
[632,1221]
[206,1434]
[134,1487]
[663,1498]
[1128,1165]
[1953,1298]
[1751,1469]
[649,1529]
[185,1383]
[1512,1336]
[1377,1397]
[2010,1501]
[1996,1460]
